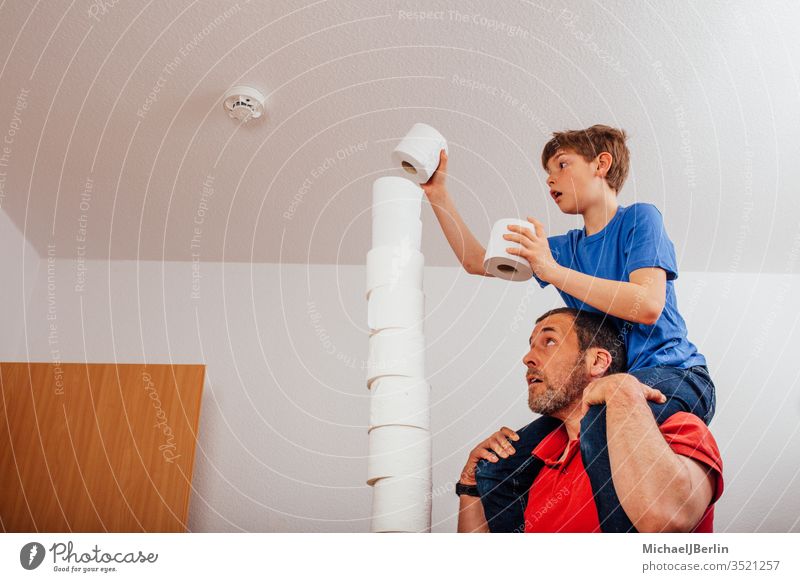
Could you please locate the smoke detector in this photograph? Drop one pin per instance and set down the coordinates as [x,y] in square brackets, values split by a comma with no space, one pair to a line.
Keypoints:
[244,103]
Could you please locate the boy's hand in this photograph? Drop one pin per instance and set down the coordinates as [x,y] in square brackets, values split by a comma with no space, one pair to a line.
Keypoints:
[535,248]
[435,186]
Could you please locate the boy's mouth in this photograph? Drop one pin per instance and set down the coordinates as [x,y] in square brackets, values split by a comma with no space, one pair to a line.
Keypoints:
[555,194]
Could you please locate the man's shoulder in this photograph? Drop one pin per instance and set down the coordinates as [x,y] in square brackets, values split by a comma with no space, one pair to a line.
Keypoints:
[687,435]
[682,422]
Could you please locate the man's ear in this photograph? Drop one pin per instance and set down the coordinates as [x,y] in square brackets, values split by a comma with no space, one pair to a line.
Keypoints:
[599,361]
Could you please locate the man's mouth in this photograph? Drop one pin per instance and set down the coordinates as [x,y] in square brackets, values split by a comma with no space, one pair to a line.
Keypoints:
[532,380]
[556,194]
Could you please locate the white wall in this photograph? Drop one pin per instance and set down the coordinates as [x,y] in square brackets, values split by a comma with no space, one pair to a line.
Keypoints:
[19,263]
[283,425]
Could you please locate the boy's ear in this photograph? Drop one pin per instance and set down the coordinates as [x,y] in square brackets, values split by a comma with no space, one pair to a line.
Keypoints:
[599,361]
[604,161]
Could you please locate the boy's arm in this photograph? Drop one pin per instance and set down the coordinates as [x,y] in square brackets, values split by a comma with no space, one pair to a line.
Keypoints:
[468,250]
[640,300]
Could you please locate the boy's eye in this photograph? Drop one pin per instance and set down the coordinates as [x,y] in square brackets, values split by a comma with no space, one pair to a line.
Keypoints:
[562,164]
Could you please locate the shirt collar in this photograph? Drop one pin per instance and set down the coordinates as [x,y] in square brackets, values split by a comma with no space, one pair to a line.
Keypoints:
[602,232]
[551,447]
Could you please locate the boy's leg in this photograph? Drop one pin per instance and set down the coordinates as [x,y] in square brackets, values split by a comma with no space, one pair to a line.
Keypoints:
[504,485]
[687,390]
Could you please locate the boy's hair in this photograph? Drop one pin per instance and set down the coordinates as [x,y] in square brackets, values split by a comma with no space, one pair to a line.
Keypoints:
[591,142]
[595,330]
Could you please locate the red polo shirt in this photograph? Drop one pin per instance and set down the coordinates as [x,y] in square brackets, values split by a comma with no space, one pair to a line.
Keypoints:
[561,498]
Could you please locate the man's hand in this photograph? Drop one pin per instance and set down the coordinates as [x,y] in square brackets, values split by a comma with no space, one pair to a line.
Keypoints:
[601,390]
[435,187]
[535,248]
[489,449]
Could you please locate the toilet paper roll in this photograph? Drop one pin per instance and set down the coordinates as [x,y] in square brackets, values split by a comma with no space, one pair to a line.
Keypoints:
[400,401]
[394,266]
[389,230]
[394,196]
[395,307]
[398,451]
[401,504]
[418,152]
[396,352]
[497,261]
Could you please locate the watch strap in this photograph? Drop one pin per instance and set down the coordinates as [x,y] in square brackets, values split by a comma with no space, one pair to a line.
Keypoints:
[471,490]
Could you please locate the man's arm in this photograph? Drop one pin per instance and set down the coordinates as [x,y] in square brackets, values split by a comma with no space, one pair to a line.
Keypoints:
[468,250]
[659,490]
[471,518]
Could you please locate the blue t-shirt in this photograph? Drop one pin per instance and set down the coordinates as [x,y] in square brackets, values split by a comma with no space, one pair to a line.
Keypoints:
[634,239]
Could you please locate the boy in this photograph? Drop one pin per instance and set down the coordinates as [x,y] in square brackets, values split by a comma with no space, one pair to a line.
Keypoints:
[621,263]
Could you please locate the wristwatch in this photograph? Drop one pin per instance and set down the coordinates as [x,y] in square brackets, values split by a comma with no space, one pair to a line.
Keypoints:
[471,490]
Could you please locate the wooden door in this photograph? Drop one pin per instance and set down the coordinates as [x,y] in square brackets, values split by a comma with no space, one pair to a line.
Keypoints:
[97,447]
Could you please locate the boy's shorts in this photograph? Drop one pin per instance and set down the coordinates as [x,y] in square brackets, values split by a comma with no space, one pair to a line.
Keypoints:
[504,485]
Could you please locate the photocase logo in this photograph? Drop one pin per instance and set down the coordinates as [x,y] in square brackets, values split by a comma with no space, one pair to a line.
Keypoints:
[31,555]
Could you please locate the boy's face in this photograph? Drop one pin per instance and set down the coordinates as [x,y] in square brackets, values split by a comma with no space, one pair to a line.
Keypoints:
[571,180]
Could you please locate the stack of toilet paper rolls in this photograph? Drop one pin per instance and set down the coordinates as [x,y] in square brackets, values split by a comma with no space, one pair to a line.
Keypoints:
[399,464]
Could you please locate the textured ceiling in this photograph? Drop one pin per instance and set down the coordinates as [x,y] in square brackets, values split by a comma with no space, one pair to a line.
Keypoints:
[116,145]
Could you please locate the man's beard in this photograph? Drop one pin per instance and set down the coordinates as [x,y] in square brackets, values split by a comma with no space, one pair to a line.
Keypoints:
[557,396]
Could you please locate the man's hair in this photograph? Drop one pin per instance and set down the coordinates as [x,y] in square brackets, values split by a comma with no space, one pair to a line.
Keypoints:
[595,330]
[591,142]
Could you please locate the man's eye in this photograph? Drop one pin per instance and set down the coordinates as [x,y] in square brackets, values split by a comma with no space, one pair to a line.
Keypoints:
[548,341]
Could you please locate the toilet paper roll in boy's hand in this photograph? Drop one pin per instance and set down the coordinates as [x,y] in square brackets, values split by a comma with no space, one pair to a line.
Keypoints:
[532,246]
[498,261]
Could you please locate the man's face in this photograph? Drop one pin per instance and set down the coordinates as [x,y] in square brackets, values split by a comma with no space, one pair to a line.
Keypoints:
[571,180]
[557,372]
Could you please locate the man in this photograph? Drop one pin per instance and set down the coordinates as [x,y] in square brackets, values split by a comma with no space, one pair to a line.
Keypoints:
[667,477]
